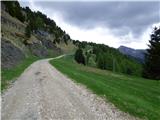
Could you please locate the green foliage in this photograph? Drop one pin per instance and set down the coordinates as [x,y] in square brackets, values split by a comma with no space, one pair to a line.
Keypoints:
[79,57]
[91,61]
[87,54]
[101,61]
[14,9]
[36,21]
[152,63]
[82,44]
[134,95]
[109,58]
[66,37]
[28,31]
[39,21]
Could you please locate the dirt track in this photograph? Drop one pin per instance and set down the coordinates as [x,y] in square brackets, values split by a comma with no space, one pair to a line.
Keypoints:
[43,93]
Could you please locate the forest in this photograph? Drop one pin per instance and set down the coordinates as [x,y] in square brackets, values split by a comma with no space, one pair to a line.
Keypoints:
[108,58]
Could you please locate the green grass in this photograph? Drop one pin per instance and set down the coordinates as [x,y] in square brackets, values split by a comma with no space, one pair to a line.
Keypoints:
[134,95]
[9,75]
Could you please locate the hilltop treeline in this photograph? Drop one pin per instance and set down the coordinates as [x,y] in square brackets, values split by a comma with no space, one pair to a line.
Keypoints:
[14,9]
[108,58]
[38,20]
[35,21]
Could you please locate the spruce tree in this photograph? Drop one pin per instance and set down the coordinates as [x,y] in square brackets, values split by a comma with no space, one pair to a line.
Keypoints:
[101,62]
[79,57]
[152,63]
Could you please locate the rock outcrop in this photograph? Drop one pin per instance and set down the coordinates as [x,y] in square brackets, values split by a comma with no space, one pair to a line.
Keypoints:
[16,46]
[10,54]
[38,50]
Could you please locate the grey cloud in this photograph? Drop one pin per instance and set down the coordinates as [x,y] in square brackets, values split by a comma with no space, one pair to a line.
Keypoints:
[121,17]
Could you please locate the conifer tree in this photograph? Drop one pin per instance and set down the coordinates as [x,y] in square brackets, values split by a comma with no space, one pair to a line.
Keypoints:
[152,63]
[79,57]
[101,62]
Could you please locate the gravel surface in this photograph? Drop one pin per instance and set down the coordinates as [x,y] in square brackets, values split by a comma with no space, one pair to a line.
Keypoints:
[43,93]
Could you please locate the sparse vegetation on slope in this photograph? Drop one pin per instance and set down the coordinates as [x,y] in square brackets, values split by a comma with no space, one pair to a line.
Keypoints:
[27,33]
[135,95]
[14,9]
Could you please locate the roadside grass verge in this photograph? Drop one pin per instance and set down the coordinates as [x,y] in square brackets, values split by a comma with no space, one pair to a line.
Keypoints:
[9,75]
[134,95]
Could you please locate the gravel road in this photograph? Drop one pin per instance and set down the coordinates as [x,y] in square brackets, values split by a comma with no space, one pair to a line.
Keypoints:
[43,93]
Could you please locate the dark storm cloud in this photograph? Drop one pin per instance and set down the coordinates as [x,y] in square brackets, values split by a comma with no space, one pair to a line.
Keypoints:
[121,17]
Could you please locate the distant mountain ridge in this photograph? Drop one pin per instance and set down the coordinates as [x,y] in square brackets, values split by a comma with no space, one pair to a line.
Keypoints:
[138,54]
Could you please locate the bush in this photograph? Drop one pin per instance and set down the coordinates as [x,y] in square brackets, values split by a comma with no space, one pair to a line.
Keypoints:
[28,31]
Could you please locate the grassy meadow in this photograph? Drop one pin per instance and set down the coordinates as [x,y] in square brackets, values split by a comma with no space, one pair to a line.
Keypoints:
[134,95]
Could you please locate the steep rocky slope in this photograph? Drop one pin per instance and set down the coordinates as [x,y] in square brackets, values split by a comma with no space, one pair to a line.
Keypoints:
[16,46]
[11,55]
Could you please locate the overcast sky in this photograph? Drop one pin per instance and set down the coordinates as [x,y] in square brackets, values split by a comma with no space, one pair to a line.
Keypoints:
[111,23]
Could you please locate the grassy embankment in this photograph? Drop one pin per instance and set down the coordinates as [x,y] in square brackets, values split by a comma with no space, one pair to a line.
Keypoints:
[9,75]
[134,95]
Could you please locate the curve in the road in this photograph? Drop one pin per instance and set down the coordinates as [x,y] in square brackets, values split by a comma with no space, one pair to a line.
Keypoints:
[43,93]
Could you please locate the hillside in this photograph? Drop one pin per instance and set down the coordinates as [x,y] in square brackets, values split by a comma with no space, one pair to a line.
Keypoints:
[31,35]
[108,58]
[18,50]
[43,38]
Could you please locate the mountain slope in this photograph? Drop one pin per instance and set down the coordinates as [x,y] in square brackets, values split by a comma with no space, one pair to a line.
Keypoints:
[25,39]
[135,53]
[44,34]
